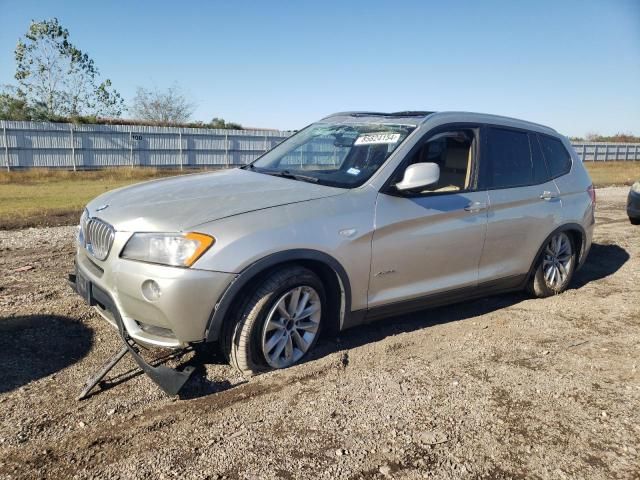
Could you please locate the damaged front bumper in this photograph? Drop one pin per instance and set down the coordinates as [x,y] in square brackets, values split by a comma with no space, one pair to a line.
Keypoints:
[168,379]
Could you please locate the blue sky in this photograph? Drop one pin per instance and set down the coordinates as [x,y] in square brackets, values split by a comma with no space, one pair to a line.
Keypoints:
[574,65]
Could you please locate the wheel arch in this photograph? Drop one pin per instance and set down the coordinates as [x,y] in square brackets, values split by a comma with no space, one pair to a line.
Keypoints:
[578,235]
[331,272]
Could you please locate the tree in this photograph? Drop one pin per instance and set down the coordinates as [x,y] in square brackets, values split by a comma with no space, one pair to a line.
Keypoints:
[52,72]
[619,137]
[13,106]
[162,106]
[222,123]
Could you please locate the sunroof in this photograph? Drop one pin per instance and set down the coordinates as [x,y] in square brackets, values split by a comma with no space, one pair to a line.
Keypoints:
[411,113]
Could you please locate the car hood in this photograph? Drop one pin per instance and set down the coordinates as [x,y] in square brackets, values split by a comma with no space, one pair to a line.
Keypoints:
[184,202]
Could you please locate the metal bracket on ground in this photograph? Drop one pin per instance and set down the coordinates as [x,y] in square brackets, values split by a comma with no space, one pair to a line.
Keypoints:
[168,379]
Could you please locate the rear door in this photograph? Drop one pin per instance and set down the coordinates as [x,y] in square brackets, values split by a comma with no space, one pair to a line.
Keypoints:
[524,203]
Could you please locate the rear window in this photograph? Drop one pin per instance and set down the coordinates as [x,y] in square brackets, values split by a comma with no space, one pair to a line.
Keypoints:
[556,155]
[509,158]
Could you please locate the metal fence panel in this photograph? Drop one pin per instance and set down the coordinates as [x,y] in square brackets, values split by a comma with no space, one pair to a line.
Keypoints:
[59,145]
[53,145]
[607,152]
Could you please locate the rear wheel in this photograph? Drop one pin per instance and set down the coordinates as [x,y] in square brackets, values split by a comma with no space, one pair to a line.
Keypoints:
[555,267]
[279,324]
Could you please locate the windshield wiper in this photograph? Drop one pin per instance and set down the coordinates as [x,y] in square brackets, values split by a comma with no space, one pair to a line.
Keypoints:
[288,174]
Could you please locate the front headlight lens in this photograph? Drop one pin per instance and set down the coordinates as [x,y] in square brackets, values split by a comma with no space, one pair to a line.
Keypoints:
[82,227]
[175,249]
[636,187]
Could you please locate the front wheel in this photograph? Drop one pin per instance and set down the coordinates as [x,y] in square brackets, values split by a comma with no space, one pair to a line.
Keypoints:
[555,267]
[279,324]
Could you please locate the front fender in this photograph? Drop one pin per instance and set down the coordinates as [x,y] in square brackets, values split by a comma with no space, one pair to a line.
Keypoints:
[236,287]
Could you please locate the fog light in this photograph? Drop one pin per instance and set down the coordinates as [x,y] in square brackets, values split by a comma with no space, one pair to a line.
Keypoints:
[151,290]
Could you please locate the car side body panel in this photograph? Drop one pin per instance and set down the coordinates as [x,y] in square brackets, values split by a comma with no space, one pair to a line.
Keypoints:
[576,202]
[424,245]
[518,222]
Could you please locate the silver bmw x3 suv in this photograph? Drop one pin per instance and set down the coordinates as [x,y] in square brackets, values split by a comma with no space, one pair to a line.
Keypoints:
[359,216]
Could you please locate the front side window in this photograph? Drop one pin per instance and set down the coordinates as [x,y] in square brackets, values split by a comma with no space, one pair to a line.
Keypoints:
[509,158]
[334,154]
[557,157]
[453,151]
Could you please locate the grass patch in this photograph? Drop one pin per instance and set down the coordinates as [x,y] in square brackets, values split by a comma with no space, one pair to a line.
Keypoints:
[605,174]
[41,197]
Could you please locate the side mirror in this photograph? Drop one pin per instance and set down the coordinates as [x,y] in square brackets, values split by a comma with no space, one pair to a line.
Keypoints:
[419,175]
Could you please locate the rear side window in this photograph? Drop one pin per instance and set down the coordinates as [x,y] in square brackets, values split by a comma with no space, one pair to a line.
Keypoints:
[556,155]
[540,172]
[509,158]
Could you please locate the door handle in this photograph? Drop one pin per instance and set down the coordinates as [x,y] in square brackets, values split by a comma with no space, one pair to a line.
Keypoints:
[546,195]
[475,206]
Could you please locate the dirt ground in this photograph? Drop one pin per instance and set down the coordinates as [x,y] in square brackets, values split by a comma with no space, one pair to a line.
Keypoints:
[504,387]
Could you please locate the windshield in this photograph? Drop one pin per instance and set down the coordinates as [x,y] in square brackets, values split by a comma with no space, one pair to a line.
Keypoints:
[339,155]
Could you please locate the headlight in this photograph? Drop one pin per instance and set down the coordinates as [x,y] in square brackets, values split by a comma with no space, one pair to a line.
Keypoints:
[82,227]
[175,249]
[636,187]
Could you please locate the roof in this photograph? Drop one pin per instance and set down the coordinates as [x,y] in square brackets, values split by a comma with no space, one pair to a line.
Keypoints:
[495,119]
[418,117]
[408,117]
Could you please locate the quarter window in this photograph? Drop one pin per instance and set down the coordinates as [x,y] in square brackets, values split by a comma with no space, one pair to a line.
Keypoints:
[556,155]
[509,158]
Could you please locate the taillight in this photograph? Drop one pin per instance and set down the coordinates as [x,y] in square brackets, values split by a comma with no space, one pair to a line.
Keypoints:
[592,193]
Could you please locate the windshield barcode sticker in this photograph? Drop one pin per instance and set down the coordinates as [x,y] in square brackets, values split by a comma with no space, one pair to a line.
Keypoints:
[377,138]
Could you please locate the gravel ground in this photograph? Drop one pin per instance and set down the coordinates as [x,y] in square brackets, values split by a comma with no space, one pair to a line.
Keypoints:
[504,387]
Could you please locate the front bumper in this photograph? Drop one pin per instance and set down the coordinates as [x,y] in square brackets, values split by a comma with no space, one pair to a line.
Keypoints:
[170,380]
[633,204]
[178,317]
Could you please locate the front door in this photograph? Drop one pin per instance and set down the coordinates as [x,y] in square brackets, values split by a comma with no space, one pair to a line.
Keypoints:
[431,242]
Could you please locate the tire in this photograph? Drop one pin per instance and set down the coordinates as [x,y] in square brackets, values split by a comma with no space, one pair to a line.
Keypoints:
[634,220]
[553,272]
[258,329]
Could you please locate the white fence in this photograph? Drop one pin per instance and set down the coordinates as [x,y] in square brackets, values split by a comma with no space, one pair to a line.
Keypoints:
[57,145]
[607,152]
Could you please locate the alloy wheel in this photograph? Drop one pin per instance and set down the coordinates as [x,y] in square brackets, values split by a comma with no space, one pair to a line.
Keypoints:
[291,326]
[556,261]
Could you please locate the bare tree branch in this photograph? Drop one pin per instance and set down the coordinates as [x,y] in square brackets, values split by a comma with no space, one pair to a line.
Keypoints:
[162,106]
